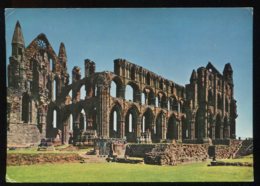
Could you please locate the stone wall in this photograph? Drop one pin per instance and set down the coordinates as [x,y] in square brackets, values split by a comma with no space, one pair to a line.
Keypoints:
[173,154]
[23,134]
[227,151]
[29,159]
[138,150]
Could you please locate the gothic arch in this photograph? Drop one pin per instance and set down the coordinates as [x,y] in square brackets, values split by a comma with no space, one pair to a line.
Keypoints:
[218,126]
[147,120]
[162,99]
[149,95]
[185,128]
[173,128]
[115,118]
[136,97]
[158,132]
[131,121]
[119,89]
[26,108]
[210,97]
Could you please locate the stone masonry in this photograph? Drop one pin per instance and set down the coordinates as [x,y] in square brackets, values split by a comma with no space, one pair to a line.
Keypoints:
[42,103]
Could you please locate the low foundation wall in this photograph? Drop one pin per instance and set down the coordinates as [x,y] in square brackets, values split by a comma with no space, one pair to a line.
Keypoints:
[138,150]
[173,154]
[40,158]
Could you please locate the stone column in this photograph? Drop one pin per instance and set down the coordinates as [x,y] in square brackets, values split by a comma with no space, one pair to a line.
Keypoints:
[221,132]
[180,131]
[42,123]
[192,129]
[213,131]
[122,129]
[138,127]
[228,131]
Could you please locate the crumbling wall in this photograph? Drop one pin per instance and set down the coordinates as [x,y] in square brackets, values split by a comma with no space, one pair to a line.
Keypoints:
[138,150]
[23,134]
[227,151]
[173,154]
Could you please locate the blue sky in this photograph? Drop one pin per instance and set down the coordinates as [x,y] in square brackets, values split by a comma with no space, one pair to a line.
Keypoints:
[168,41]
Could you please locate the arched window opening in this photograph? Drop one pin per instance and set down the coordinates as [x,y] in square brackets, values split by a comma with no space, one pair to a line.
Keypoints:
[71,122]
[83,121]
[218,125]
[115,121]
[227,105]
[26,109]
[54,90]
[54,121]
[210,97]
[161,84]
[172,129]
[151,98]
[129,93]
[159,124]
[130,122]
[219,102]
[82,92]
[143,124]
[143,99]
[70,95]
[113,89]
[156,102]
[175,105]
[95,91]
[51,65]
[169,105]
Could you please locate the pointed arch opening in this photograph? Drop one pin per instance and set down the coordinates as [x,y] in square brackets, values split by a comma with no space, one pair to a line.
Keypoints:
[26,109]
[54,119]
[218,126]
[83,120]
[115,122]
[113,89]
[173,128]
[158,128]
[131,120]
[132,92]
[82,92]
[54,92]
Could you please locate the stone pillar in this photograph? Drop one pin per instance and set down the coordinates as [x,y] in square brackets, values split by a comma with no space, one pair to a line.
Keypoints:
[121,91]
[221,132]
[122,129]
[138,127]
[76,131]
[228,131]
[180,131]
[192,129]
[213,131]
[42,123]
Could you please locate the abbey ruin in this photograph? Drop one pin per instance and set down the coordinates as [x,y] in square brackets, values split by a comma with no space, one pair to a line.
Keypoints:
[41,103]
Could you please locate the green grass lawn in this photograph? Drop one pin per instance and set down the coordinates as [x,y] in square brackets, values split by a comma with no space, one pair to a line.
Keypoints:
[120,172]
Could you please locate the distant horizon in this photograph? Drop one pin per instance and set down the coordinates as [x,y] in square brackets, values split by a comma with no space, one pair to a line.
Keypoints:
[170,42]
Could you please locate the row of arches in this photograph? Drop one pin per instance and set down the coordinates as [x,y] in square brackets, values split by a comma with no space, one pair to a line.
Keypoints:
[132,93]
[137,73]
[131,124]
